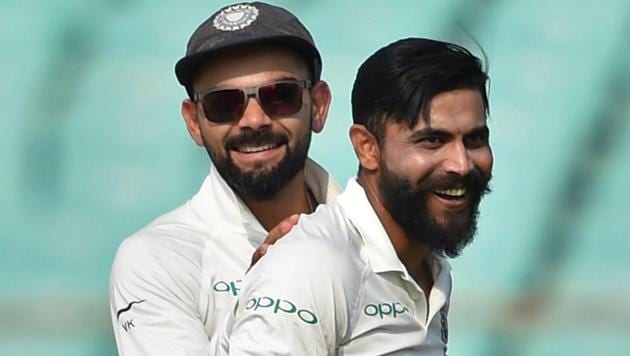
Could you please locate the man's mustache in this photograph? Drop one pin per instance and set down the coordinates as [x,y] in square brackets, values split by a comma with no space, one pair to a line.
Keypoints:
[474,181]
[256,138]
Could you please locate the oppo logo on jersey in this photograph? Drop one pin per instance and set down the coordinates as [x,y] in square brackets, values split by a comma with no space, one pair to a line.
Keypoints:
[394,309]
[282,306]
[227,287]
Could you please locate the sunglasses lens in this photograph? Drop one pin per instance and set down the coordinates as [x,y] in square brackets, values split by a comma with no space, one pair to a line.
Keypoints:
[223,105]
[281,98]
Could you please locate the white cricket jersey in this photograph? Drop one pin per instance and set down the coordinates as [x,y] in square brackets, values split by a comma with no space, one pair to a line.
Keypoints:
[176,280]
[335,286]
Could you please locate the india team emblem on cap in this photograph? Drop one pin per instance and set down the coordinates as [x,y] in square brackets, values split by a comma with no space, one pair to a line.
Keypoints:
[235,17]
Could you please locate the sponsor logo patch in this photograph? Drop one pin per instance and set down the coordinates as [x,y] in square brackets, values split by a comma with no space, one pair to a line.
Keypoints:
[231,287]
[382,310]
[281,306]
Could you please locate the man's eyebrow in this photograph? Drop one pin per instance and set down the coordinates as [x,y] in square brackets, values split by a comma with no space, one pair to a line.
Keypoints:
[481,130]
[428,132]
[438,133]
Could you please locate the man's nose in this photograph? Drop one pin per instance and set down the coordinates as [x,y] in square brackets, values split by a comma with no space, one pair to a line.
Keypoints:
[254,117]
[458,160]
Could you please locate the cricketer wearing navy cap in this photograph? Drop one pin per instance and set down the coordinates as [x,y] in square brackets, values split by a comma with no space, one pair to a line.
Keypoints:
[252,74]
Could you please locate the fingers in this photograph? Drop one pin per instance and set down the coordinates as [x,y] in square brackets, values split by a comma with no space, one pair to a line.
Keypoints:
[281,229]
[259,253]
[262,249]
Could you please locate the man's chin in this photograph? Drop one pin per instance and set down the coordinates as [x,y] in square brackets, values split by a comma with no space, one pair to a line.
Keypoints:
[263,180]
[258,185]
[257,170]
[447,219]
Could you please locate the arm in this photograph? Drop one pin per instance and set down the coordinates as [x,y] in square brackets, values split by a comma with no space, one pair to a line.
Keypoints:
[154,295]
[298,300]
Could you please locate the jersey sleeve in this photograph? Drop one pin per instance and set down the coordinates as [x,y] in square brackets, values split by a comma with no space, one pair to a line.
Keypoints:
[154,294]
[297,300]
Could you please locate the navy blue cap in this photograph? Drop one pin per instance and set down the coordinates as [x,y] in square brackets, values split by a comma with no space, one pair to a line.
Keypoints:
[245,24]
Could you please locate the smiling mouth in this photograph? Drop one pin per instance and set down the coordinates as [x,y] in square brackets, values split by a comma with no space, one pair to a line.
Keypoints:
[256,149]
[451,193]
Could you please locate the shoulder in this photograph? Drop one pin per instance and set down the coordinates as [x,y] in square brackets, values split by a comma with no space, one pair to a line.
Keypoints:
[320,249]
[158,269]
[328,225]
[307,286]
[168,238]
[167,253]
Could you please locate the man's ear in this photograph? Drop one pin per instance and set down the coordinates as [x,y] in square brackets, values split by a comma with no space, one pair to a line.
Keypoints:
[366,147]
[320,103]
[189,113]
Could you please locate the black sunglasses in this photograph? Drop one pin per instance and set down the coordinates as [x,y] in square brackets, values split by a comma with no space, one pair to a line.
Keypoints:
[280,98]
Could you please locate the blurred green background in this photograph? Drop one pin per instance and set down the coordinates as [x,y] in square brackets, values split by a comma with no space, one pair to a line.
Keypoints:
[93,148]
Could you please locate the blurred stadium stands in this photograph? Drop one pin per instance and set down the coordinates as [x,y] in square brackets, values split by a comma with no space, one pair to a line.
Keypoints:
[93,147]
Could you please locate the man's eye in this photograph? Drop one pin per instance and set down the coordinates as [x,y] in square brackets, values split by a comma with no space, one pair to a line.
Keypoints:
[431,141]
[477,140]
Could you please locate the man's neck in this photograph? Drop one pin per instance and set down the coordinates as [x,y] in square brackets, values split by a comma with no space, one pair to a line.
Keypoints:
[412,253]
[292,199]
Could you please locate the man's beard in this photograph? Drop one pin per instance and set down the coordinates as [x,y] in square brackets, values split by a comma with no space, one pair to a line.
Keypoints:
[409,207]
[261,184]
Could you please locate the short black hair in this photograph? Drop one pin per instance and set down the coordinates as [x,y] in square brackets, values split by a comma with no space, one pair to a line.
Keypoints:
[398,82]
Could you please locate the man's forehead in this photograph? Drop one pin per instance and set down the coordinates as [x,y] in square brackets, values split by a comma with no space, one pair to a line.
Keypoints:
[457,108]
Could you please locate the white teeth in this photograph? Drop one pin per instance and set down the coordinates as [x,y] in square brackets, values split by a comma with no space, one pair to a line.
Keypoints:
[255,149]
[452,192]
